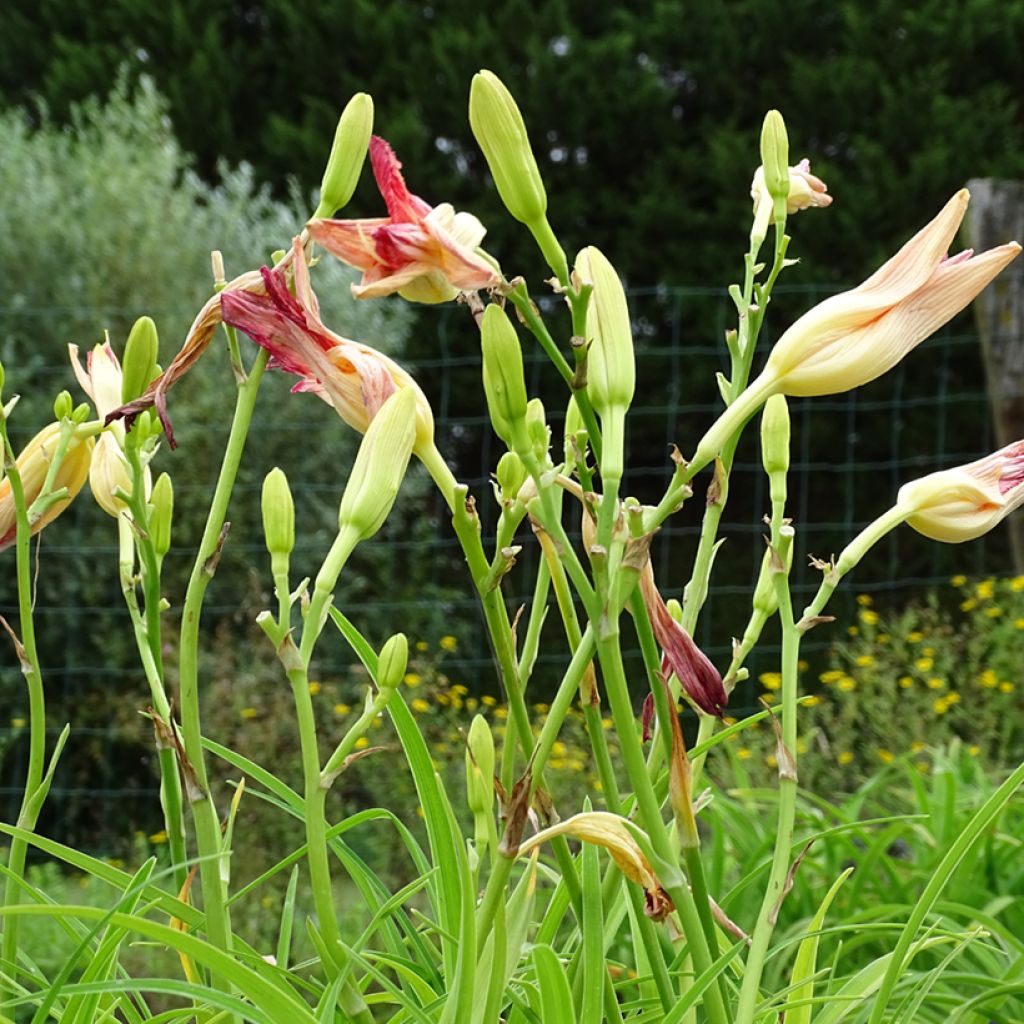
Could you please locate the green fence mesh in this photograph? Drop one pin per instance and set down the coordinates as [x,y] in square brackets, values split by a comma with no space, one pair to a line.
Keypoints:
[850,454]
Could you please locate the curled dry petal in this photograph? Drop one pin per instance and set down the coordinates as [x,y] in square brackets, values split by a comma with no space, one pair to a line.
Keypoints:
[426,254]
[805,189]
[681,656]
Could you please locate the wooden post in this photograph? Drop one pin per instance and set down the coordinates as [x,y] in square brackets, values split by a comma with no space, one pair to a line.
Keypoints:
[996,216]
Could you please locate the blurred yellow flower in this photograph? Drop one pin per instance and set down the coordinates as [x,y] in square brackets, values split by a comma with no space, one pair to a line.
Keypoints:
[845,757]
[248,713]
[833,675]
[906,682]
[314,688]
[940,707]
[770,680]
[917,746]
[985,589]
[158,837]
[866,660]
[488,700]
[743,753]
[812,701]
[449,643]
[341,709]
[1017,584]
[935,683]
[1019,623]
[923,664]
[852,630]
[419,705]
[422,645]
[1005,687]
[885,756]
[915,637]
[768,698]
[994,611]
[362,743]
[868,617]
[412,679]
[974,750]
[958,581]
[865,600]
[966,606]
[501,712]
[847,683]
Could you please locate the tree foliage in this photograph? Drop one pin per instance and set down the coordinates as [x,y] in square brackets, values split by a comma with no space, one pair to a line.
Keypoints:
[645,115]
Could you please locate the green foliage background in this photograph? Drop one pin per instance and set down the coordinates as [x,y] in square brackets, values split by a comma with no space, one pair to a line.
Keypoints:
[642,113]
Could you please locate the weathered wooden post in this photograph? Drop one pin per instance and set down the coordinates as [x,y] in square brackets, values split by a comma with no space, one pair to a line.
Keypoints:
[996,216]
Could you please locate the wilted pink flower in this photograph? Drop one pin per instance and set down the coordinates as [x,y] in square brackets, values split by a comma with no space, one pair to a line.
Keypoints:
[956,505]
[424,253]
[680,655]
[354,378]
[805,189]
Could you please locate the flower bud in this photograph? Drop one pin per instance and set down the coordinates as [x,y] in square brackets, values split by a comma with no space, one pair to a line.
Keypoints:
[138,365]
[500,132]
[573,425]
[380,465]
[480,767]
[775,435]
[278,514]
[511,475]
[33,464]
[611,367]
[537,428]
[63,406]
[348,153]
[775,156]
[394,656]
[161,514]
[504,384]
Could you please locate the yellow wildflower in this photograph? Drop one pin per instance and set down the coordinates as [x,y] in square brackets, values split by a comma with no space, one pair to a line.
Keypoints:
[868,617]
[940,707]
[974,750]
[988,679]
[994,611]
[362,743]
[958,581]
[248,713]
[488,700]
[1005,687]
[915,637]
[158,837]
[1019,623]
[916,747]
[866,660]
[341,709]
[906,682]
[412,679]
[885,756]
[966,606]
[315,688]
[882,638]
[935,683]
[18,723]
[449,643]
[831,676]
[501,712]
[419,705]
[770,680]
[852,630]
[953,698]
[743,753]
[847,683]
[606,723]
[865,600]
[845,757]
[1017,584]
[923,664]
[985,589]
[812,701]
[422,645]
[768,698]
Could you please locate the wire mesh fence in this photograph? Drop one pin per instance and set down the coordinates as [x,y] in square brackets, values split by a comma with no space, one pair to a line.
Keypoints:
[850,454]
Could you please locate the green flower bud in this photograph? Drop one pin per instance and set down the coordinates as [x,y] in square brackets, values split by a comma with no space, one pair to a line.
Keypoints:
[278,513]
[138,366]
[161,514]
[504,384]
[480,762]
[3,377]
[775,435]
[537,428]
[63,406]
[766,598]
[348,153]
[394,656]
[380,465]
[511,474]
[500,132]
[611,366]
[775,159]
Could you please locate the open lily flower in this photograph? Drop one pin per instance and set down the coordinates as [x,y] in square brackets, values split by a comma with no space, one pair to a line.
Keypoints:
[956,505]
[680,655]
[852,338]
[805,189]
[354,378]
[109,471]
[424,253]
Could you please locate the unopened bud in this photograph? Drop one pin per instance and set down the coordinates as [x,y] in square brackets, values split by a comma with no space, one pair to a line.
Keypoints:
[775,157]
[348,153]
[380,465]
[138,365]
[537,428]
[394,656]
[573,425]
[278,513]
[766,598]
[775,436]
[611,366]
[161,514]
[63,406]
[504,384]
[511,475]
[480,767]
[500,132]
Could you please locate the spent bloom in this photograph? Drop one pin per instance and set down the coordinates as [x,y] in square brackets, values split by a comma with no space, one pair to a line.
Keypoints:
[33,464]
[856,336]
[960,504]
[805,189]
[681,656]
[109,472]
[356,379]
[425,253]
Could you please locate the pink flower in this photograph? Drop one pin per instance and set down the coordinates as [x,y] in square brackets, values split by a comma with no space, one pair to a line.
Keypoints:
[424,253]
[354,378]
[681,657]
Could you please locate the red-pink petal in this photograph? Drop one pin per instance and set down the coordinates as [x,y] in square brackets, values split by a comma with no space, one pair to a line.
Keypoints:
[401,203]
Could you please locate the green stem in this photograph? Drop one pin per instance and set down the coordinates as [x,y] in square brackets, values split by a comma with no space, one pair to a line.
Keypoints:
[208,837]
[30,668]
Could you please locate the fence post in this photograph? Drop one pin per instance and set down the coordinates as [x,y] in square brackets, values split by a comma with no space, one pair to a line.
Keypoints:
[996,215]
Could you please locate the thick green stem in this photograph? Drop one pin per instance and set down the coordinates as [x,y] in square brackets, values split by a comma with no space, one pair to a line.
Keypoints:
[208,837]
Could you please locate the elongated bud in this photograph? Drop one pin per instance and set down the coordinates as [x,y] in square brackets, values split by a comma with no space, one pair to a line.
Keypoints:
[504,384]
[537,428]
[278,513]
[394,656]
[500,132]
[380,465]
[573,425]
[766,598]
[480,767]
[138,366]
[611,366]
[63,406]
[348,153]
[775,445]
[511,474]
[775,158]
[161,514]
